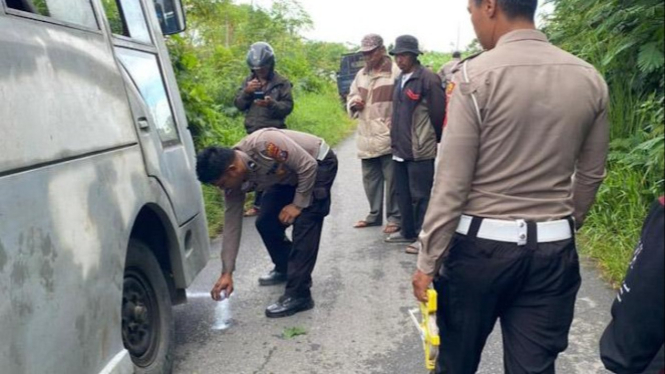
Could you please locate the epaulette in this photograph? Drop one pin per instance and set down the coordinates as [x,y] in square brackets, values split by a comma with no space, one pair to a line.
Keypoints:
[462,61]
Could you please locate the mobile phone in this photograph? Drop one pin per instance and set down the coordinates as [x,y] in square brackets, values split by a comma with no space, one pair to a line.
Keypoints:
[259,95]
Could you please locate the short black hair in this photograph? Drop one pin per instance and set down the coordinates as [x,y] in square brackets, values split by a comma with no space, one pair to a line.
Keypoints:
[212,162]
[457,54]
[517,8]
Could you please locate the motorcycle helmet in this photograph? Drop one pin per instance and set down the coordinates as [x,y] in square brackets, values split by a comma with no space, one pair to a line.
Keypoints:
[260,55]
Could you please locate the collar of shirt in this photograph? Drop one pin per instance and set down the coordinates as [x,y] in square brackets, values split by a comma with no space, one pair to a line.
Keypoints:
[522,34]
[249,163]
[405,77]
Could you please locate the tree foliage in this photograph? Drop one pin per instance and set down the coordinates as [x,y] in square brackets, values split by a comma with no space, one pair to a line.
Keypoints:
[624,40]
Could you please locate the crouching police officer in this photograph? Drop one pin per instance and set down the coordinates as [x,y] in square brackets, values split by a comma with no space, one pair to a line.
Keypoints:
[295,171]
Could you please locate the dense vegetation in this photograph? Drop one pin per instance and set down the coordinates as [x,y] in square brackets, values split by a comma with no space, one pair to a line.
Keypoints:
[624,40]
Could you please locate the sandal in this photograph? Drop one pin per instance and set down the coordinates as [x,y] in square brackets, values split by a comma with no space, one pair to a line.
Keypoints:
[390,228]
[362,224]
[413,248]
[251,212]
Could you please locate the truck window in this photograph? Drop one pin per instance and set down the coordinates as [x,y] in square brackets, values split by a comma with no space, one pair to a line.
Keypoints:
[126,19]
[145,71]
[72,11]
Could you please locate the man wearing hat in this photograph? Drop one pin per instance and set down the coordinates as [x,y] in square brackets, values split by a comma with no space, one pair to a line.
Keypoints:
[419,107]
[370,101]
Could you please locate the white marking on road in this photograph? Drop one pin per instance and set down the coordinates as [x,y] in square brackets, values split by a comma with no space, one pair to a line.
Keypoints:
[588,301]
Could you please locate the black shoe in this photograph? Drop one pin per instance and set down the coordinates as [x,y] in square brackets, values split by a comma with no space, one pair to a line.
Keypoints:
[272,278]
[288,306]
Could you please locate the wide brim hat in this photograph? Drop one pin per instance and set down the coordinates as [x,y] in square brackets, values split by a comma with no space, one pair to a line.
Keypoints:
[406,44]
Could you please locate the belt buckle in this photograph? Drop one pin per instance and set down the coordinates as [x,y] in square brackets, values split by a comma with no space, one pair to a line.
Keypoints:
[522,232]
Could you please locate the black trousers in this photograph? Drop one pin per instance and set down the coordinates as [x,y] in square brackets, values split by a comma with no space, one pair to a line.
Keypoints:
[298,257]
[531,289]
[413,185]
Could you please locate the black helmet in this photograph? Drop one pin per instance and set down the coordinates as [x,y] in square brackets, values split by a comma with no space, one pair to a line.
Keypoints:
[260,55]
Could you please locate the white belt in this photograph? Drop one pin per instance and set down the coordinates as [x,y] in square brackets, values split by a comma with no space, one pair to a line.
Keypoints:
[516,231]
[324,148]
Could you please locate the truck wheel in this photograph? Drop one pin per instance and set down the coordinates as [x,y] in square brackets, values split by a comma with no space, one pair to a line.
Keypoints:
[147,320]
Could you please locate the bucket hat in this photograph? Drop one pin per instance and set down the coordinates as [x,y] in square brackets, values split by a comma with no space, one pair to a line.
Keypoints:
[406,44]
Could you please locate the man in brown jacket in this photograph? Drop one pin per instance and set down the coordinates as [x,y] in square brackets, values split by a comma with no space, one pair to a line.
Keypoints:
[370,101]
[296,171]
[522,157]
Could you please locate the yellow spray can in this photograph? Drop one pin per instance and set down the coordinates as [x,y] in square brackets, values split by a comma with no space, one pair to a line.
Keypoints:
[429,330]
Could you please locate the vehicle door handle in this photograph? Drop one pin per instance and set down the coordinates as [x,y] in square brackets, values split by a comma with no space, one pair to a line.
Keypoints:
[143,124]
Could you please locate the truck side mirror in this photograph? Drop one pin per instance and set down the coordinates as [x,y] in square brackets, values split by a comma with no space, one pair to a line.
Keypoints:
[171,16]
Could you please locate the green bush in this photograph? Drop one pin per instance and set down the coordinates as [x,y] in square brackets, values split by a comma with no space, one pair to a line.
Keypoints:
[624,40]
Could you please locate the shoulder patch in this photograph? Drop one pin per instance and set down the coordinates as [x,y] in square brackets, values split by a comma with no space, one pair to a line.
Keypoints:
[273,151]
[450,87]
[457,67]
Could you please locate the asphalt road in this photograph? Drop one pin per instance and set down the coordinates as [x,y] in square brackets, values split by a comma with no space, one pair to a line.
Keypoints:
[360,324]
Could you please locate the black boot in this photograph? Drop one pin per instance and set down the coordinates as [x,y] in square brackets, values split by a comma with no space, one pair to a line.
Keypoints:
[272,278]
[288,306]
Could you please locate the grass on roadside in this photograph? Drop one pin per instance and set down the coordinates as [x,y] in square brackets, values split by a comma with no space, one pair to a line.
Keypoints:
[613,226]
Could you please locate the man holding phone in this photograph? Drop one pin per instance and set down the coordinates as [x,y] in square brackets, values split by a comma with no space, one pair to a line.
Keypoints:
[265,97]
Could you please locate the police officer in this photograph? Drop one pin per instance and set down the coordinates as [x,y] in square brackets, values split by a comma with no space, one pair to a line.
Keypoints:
[296,171]
[446,70]
[522,157]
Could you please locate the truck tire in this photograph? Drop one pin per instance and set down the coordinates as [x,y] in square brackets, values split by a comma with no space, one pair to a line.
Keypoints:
[147,319]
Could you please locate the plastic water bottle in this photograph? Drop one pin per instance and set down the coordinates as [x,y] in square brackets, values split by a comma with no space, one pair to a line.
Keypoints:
[223,314]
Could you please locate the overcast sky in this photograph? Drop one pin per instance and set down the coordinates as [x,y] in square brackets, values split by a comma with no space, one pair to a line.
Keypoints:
[439,25]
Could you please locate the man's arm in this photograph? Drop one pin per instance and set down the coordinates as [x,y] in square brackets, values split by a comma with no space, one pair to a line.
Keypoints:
[234,201]
[243,100]
[590,169]
[436,104]
[458,153]
[354,96]
[280,107]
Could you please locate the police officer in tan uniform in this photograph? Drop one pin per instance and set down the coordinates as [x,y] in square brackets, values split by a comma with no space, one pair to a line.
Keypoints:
[522,156]
[296,171]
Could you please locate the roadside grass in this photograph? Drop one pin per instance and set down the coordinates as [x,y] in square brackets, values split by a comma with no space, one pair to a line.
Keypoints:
[321,114]
[612,228]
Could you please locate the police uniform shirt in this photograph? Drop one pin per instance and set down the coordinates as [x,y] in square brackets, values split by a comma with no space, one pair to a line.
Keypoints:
[523,118]
[272,157]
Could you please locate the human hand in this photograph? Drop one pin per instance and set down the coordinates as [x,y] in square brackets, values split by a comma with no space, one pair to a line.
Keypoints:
[358,105]
[267,101]
[289,214]
[421,282]
[252,86]
[224,283]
